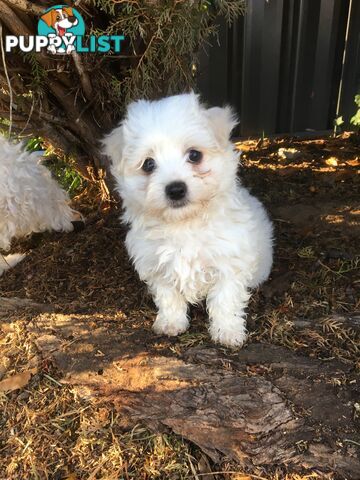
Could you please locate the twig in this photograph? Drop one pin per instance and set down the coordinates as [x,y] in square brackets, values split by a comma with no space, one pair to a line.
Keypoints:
[7,78]
[53,380]
[145,52]
[29,117]
[347,440]
[196,477]
[52,118]
[84,77]
[97,469]
[4,258]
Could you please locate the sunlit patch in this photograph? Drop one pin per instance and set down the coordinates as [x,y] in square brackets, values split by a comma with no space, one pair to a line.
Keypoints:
[334,218]
[332,162]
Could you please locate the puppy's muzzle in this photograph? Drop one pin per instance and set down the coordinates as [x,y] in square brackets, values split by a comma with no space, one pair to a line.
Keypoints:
[176,191]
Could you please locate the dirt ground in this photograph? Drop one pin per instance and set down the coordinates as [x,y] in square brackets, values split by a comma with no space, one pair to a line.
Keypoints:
[309,306]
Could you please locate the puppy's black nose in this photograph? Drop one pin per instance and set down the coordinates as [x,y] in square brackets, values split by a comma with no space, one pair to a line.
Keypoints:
[176,190]
[72,19]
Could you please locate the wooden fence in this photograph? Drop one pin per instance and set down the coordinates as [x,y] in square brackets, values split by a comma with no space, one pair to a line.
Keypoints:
[287,66]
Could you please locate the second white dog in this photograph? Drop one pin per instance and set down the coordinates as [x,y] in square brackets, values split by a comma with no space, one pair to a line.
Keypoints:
[195,232]
[30,200]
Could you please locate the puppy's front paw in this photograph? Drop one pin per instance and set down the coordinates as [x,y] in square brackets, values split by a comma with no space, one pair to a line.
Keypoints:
[163,326]
[230,336]
[69,49]
[52,49]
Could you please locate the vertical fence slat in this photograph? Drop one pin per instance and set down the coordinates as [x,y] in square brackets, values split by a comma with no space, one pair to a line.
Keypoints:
[324,59]
[251,65]
[214,66]
[341,24]
[270,66]
[235,69]
[303,80]
[351,79]
[287,61]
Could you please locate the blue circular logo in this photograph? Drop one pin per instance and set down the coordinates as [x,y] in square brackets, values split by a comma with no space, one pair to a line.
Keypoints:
[61,20]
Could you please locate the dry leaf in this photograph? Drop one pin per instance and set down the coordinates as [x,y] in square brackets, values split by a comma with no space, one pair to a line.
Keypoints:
[353,163]
[17,381]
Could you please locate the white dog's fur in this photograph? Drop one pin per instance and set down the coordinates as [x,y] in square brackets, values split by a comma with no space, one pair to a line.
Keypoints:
[219,244]
[30,199]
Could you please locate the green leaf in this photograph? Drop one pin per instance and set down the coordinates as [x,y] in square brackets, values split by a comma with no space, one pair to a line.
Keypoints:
[355,120]
[339,121]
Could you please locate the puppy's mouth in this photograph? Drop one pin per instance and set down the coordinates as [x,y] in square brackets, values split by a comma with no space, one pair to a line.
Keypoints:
[178,203]
[61,31]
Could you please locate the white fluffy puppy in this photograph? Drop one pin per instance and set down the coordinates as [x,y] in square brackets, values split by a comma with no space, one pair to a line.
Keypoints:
[30,199]
[195,232]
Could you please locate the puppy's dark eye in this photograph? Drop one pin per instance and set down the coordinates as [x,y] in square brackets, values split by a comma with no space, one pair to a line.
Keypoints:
[195,156]
[149,165]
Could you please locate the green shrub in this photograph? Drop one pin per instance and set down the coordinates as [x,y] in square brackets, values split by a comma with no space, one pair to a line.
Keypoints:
[355,120]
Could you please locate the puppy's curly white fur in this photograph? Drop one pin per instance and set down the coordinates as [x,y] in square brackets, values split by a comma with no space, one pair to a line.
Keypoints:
[195,232]
[30,199]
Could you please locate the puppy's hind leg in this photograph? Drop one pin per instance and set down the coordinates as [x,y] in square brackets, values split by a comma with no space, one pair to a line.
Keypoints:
[226,303]
[172,318]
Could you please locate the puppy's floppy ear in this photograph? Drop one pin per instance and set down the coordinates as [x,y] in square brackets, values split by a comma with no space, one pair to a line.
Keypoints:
[113,147]
[49,18]
[222,121]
